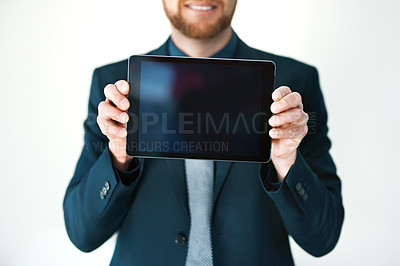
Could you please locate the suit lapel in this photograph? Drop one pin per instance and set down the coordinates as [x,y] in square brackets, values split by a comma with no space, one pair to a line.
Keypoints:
[221,172]
[178,177]
[244,52]
[162,50]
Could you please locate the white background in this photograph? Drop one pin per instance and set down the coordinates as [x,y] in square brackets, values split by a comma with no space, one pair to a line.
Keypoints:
[49,48]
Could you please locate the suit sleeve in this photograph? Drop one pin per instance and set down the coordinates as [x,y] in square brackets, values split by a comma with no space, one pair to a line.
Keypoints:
[97,199]
[309,198]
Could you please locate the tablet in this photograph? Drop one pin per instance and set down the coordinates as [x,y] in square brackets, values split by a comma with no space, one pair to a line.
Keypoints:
[199,108]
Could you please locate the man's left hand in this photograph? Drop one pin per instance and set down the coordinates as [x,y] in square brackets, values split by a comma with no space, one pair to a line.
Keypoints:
[289,124]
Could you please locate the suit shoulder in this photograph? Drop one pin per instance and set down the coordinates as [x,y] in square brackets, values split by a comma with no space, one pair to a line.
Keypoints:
[285,62]
[114,66]
[289,72]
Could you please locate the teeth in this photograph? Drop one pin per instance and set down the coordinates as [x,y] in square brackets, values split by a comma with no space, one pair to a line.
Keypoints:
[201,7]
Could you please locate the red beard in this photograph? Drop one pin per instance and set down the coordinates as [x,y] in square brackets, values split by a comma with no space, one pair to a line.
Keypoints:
[201,31]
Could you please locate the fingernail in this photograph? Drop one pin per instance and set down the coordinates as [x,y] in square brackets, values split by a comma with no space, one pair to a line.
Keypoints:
[274,107]
[124,88]
[276,119]
[272,133]
[273,121]
[122,133]
[275,96]
[124,103]
[124,117]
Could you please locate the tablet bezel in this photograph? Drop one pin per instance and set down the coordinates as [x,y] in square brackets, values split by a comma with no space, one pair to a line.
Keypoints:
[134,74]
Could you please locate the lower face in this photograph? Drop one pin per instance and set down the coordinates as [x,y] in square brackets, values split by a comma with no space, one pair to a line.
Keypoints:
[200,19]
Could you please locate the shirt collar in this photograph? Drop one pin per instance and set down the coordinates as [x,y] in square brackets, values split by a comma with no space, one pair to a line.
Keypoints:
[227,52]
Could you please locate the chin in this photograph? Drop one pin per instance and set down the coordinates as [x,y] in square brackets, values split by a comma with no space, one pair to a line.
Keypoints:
[200,26]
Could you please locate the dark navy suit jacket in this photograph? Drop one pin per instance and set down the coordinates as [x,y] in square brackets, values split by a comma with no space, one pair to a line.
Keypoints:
[251,218]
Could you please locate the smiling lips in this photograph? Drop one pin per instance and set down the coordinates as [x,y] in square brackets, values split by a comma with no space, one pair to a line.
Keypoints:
[200,6]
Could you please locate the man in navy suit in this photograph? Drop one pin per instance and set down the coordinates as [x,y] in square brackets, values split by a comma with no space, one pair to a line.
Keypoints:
[254,206]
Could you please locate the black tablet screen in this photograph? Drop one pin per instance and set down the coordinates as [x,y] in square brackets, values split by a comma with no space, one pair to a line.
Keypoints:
[202,109]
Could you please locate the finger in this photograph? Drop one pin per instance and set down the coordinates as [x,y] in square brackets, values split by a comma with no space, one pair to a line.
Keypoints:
[292,116]
[122,86]
[111,129]
[116,97]
[301,123]
[107,110]
[291,100]
[280,92]
[295,132]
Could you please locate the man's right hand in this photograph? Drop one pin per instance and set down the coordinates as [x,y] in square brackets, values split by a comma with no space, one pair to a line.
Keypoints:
[112,120]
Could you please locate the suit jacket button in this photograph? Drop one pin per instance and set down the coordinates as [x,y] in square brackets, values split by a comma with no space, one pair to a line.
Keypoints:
[305,197]
[102,195]
[299,186]
[107,185]
[180,239]
[301,192]
[104,190]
